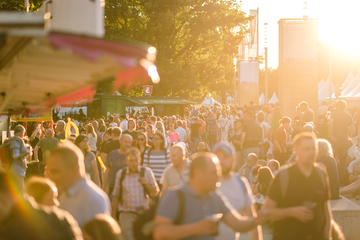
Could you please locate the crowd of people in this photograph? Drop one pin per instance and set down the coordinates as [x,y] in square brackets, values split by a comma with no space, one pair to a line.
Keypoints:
[209,174]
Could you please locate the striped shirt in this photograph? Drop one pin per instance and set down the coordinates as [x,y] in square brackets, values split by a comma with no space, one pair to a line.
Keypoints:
[132,190]
[157,161]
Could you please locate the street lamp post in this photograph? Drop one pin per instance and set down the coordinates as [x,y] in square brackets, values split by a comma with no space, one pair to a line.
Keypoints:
[266,66]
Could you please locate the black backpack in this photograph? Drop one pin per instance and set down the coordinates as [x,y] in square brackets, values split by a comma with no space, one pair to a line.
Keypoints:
[144,223]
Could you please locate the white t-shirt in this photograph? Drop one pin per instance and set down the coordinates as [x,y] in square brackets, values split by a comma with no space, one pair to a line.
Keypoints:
[353,153]
[239,197]
[351,165]
[266,126]
[124,124]
[182,133]
[113,124]
[92,142]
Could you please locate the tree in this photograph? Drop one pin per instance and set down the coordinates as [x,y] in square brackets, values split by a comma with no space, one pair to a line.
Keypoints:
[19,5]
[196,41]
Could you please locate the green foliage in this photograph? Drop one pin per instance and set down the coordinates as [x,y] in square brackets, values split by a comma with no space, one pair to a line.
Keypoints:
[19,5]
[196,41]
[273,85]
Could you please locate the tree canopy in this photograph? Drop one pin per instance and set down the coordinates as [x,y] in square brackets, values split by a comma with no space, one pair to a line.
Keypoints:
[196,41]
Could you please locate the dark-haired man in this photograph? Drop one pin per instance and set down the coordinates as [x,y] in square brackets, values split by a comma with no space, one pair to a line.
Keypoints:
[340,124]
[251,136]
[298,199]
[202,207]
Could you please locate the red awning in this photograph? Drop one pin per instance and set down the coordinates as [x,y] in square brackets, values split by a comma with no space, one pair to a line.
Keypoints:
[64,68]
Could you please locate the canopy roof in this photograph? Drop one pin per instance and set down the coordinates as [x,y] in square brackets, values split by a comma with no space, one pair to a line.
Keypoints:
[320,84]
[274,99]
[262,99]
[209,101]
[55,68]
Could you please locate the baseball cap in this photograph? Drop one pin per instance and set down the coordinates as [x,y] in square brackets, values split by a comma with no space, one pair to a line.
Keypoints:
[227,148]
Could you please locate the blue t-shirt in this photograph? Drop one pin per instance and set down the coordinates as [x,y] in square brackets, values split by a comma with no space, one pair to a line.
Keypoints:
[196,208]
[115,162]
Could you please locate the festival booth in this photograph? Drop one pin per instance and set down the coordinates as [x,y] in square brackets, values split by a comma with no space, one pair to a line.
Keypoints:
[54,57]
[104,104]
[262,99]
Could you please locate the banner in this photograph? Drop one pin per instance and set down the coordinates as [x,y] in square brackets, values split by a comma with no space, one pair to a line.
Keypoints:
[253,41]
[33,115]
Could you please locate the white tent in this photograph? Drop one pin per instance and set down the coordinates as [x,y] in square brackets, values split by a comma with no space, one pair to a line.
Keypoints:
[353,84]
[348,80]
[321,83]
[262,99]
[274,99]
[323,93]
[209,101]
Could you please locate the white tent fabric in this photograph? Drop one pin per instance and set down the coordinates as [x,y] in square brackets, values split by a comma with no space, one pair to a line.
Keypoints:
[320,84]
[262,99]
[351,86]
[209,101]
[347,81]
[274,99]
[324,91]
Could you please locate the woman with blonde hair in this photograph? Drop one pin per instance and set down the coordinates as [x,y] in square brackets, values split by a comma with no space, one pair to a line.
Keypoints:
[326,158]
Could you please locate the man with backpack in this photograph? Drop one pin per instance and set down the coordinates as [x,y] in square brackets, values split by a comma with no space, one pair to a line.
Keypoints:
[298,199]
[17,156]
[134,185]
[194,210]
[236,189]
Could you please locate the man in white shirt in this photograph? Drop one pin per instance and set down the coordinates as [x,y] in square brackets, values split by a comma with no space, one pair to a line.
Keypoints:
[79,196]
[178,172]
[179,129]
[124,123]
[236,190]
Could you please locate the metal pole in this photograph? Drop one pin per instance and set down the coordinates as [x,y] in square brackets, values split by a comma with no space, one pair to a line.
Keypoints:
[266,76]
[330,84]
[235,85]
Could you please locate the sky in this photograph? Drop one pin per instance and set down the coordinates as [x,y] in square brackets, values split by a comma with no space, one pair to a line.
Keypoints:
[336,22]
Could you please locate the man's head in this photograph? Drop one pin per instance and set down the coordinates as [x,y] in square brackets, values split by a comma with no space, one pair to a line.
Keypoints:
[308,128]
[251,160]
[227,157]
[65,164]
[305,148]
[178,123]
[205,170]
[274,165]
[60,126]
[249,115]
[153,119]
[48,132]
[111,118]
[340,105]
[177,154]
[19,131]
[116,133]
[125,142]
[133,159]
[303,106]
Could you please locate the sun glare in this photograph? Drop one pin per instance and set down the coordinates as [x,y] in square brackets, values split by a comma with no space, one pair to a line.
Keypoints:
[338,23]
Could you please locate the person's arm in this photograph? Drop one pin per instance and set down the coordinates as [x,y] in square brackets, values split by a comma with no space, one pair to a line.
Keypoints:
[277,144]
[328,217]
[330,129]
[240,223]
[36,155]
[243,135]
[165,229]
[33,135]
[241,170]
[114,206]
[256,233]
[106,179]
[95,172]
[301,213]
[163,190]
